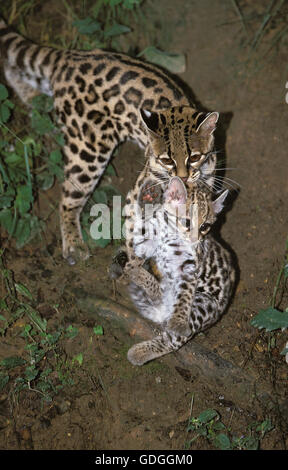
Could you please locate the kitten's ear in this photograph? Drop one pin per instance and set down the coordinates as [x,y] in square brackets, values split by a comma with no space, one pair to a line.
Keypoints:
[176,192]
[208,126]
[218,204]
[150,119]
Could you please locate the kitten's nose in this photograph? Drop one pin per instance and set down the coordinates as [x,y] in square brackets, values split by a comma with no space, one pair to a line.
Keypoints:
[184,178]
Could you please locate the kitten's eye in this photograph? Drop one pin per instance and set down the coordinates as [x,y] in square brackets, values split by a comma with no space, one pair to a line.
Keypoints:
[167,161]
[205,227]
[195,157]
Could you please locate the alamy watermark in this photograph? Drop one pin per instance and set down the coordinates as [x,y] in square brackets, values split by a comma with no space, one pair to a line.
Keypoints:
[112,222]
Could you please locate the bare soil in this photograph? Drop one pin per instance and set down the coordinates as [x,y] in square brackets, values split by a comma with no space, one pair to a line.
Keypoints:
[112,404]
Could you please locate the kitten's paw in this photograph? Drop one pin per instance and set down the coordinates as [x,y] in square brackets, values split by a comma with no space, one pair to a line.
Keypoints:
[150,194]
[139,354]
[76,253]
[117,267]
[179,327]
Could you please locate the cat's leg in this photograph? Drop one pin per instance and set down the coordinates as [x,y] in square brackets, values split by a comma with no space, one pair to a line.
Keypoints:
[24,90]
[136,273]
[204,314]
[159,346]
[185,289]
[125,259]
[179,320]
[142,278]
[83,169]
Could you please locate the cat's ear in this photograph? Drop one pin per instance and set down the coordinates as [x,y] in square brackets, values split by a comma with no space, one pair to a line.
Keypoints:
[218,204]
[150,119]
[208,125]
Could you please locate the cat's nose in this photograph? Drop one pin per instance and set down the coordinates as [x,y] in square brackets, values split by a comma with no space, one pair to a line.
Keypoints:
[184,178]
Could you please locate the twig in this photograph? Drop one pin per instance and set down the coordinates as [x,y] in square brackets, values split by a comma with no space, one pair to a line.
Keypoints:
[239,13]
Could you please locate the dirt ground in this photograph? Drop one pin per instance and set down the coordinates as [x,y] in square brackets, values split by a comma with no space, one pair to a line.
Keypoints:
[112,404]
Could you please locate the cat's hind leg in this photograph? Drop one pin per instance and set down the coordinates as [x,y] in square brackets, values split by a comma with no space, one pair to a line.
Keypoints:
[159,346]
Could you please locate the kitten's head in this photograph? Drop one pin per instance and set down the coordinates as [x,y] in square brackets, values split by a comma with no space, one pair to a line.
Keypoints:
[181,142]
[194,208]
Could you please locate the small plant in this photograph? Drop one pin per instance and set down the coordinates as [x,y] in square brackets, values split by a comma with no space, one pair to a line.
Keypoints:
[108,21]
[31,164]
[209,425]
[40,367]
[28,163]
[272,318]
[105,27]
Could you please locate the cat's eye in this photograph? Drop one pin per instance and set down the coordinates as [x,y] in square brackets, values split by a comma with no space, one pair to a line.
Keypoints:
[195,157]
[204,227]
[167,161]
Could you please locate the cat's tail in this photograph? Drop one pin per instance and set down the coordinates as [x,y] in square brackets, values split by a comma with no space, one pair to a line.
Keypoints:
[25,61]
[159,346]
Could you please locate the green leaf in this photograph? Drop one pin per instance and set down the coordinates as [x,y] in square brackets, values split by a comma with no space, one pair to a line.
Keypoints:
[56,170]
[31,373]
[102,242]
[12,361]
[24,198]
[3,92]
[207,415]
[56,156]
[87,25]
[6,200]
[6,219]
[23,290]
[175,63]
[98,330]
[41,323]
[59,138]
[71,332]
[222,442]
[22,232]
[116,29]
[265,427]
[4,379]
[99,196]
[43,103]
[129,4]
[270,319]
[42,124]
[110,170]
[285,271]
[13,159]
[51,338]
[45,180]
[113,3]
[4,112]
[78,358]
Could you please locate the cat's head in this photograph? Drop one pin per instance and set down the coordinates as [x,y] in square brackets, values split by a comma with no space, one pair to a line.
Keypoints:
[181,142]
[194,208]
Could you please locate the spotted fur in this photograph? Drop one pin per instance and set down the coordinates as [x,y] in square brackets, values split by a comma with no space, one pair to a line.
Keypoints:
[195,276]
[101,99]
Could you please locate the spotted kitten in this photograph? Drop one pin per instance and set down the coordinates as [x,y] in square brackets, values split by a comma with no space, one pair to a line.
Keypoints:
[102,99]
[196,274]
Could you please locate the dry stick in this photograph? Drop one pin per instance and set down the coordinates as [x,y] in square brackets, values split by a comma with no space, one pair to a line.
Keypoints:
[239,13]
[221,373]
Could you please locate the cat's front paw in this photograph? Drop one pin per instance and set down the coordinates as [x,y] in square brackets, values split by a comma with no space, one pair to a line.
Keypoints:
[139,354]
[179,327]
[117,267]
[76,253]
